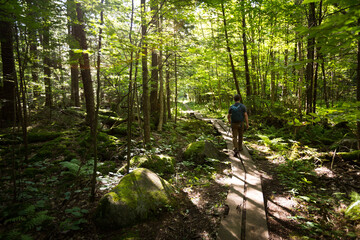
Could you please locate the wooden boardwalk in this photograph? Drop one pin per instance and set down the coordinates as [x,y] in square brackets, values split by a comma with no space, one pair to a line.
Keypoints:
[246,219]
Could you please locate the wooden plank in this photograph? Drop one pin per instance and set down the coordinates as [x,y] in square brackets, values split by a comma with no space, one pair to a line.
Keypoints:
[230,226]
[256,222]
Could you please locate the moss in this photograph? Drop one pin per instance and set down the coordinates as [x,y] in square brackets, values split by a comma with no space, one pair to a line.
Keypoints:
[34,137]
[194,149]
[137,196]
[354,155]
[161,164]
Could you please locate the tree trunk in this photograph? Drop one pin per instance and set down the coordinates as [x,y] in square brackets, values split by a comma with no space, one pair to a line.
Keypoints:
[168,92]
[146,99]
[229,52]
[7,89]
[34,63]
[85,71]
[176,88]
[130,94]
[247,72]
[154,65]
[272,83]
[98,63]
[161,95]
[47,64]
[301,73]
[358,83]
[309,76]
[74,58]
[22,65]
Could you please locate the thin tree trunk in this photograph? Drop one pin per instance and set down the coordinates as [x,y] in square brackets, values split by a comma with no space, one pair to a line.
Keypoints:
[247,71]
[22,65]
[229,52]
[7,89]
[272,83]
[161,95]
[154,65]
[176,88]
[301,73]
[358,83]
[146,99]
[168,92]
[93,180]
[47,64]
[130,98]
[86,72]
[309,76]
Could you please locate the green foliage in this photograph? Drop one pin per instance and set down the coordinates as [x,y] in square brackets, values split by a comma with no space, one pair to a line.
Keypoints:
[76,168]
[353,211]
[74,221]
[34,137]
[27,219]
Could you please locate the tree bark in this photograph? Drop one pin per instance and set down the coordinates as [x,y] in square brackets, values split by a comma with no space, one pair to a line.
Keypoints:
[85,71]
[98,63]
[47,64]
[74,58]
[161,95]
[309,76]
[154,65]
[272,83]
[130,94]
[168,92]
[7,90]
[247,71]
[358,83]
[176,88]
[229,52]
[145,99]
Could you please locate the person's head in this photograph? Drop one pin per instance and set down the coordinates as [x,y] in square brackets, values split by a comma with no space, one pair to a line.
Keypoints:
[237,98]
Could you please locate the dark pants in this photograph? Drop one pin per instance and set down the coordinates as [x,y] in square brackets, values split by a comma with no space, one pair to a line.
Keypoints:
[237,132]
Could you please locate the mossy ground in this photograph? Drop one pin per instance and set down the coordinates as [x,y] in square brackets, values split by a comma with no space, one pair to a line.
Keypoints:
[56,178]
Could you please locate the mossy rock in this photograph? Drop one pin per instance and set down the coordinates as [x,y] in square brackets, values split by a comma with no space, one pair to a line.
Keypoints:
[199,151]
[161,164]
[139,195]
[34,137]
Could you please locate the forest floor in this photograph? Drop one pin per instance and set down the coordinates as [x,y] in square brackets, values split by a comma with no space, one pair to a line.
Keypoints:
[307,191]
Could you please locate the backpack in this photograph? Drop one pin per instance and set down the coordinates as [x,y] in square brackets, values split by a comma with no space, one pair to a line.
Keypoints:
[237,113]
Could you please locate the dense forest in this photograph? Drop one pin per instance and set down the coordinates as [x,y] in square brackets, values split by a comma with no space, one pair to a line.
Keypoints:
[97,91]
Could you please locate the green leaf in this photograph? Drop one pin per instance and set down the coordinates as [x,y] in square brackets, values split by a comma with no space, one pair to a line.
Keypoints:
[310,1]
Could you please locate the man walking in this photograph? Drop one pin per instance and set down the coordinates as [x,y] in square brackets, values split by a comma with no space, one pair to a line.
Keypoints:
[236,117]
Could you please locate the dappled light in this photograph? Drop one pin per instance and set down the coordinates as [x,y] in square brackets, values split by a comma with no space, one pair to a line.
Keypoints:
[192,119]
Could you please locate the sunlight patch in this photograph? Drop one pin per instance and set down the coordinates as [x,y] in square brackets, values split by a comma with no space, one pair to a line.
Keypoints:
[324,171]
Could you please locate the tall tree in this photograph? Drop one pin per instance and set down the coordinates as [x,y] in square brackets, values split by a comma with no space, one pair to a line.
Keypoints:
[309,74]
[7,89]
[358,82]
[85,70]
[146,99]
[154,63]
[229,52]
[47,63]
[246,61]
[74,58]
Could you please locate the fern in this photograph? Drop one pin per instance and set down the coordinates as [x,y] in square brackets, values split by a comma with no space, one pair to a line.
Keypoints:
[15,219]
[37,220]
[353,211]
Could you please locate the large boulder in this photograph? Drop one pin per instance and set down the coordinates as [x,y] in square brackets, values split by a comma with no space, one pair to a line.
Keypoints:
[159,163]
[199,151]
[139,195]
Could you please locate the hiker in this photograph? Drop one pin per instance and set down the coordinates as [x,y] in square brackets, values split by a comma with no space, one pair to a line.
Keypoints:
[236,117]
